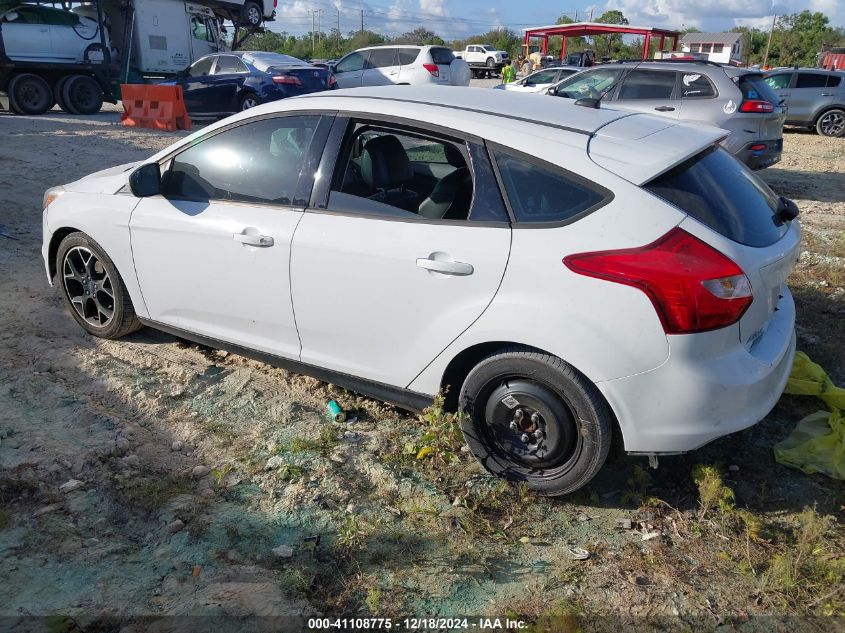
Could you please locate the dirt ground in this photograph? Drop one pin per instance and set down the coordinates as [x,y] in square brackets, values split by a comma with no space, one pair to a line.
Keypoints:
[149,477]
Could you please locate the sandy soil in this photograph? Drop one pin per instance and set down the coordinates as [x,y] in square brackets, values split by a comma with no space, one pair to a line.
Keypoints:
[151,477]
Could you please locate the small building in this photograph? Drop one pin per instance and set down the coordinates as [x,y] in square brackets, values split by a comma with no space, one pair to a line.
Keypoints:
[723,48]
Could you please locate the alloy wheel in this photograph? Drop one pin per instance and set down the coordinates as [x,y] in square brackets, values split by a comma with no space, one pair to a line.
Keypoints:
[249,102]
[832,124]
[88,286]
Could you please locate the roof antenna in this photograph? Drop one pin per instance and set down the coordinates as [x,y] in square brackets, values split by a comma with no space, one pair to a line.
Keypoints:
[589,102]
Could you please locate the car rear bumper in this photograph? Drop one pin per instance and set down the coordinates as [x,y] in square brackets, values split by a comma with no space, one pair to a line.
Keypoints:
[706,389]
[761,154]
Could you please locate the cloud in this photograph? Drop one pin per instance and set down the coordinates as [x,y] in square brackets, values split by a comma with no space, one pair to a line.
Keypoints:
[434,7]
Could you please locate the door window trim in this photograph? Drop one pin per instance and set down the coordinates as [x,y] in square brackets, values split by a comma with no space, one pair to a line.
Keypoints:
[312,158]
[337,145]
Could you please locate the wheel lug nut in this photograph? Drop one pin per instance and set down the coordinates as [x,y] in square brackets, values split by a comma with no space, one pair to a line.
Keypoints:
[525,438]
[518,414]
[535,418]
[513,425]
[538,435]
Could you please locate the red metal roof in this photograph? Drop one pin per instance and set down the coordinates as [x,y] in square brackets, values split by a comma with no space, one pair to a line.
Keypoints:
[596,28]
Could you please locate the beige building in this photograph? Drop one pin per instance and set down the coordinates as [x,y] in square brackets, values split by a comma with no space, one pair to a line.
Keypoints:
[724,48]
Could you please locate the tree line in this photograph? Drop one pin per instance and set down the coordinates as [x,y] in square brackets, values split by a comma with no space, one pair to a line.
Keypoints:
[796,40]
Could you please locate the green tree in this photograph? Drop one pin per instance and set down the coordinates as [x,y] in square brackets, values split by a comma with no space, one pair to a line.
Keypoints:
[610,45]
[420,35]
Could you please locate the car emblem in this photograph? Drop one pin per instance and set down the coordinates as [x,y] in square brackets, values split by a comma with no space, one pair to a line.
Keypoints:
[730,107]
[316,74]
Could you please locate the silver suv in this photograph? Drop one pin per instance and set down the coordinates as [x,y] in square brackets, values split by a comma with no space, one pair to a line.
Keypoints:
[735,99]
[814,98]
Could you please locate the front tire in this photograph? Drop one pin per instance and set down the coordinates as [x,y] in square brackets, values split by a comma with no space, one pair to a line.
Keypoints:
[831,123]
[252,15]
[93,290]
[491,63]
[532,418]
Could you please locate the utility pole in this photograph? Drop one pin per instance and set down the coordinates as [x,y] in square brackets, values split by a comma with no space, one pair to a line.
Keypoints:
[313,44]
[362,21]
[319,24]
[338,30]
[769,43]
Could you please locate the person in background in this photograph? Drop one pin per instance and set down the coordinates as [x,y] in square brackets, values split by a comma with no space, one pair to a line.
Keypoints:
[508,73]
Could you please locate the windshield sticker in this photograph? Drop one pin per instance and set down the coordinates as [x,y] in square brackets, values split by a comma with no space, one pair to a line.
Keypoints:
[730,107]
[691,79]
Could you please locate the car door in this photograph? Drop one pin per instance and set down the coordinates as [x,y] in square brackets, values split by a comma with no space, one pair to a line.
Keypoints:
[381,67]
[378,290]
[196,86]
[225,83]
[809,96]
[26,36]
[70,34]
[212,251]
[650,91]
[780,83]
[349,71]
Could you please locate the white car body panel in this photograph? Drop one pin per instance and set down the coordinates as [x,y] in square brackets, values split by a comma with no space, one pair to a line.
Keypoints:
[196,277]
[48,42]
[346,270]
[363,307]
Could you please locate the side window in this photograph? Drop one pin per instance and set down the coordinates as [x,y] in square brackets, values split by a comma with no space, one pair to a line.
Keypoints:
[542,77]
[408,56]
[229,64]
[200,31]
[779,82]
[382,58]
[591,83]
[29,15]
[201,68]
[257,162]
[352,62]
[543,193]
[57,17]
[647,84]
[833,81]
[811,80]
[402,174]
[718,48]
[696,86]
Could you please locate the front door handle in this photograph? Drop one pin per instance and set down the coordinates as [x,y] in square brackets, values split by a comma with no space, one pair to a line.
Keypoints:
[665,109]
[826,94]
[253,240]
[460,269]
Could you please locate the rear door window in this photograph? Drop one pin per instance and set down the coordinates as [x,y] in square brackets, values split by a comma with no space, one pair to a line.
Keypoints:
[647,84]
[440,55]
[382,58]
[541,193]
[719,191]
[408,56]
[833,81]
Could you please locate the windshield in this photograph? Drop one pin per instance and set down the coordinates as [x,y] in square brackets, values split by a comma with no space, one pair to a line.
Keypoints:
[590,84]
[263,61]
[487,47]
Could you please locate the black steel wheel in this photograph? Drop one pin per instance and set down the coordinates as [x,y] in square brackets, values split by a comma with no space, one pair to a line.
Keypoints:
[92,288]
[532,418]
[29,94]
[831,123]
[82,95]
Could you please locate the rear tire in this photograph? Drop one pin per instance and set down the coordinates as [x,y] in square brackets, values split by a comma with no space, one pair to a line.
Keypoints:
[29,94]
[82,95]
[251,15]
[532,418]
[93,290]
[831,123]
[249,100]
[58,90]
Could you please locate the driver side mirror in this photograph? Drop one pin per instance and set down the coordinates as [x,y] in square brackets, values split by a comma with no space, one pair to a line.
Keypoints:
[552,91]
[146,180]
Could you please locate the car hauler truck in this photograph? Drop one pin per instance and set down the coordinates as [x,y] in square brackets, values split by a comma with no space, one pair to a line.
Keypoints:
[125,41]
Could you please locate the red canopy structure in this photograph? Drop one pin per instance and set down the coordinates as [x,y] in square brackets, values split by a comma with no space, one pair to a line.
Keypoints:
[579,29]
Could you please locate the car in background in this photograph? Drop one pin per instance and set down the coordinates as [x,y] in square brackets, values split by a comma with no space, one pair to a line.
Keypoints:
[223,83]
[540,80]
[814,98]
[247,13]
[737,100]
[32,33]
[401,65]
[563,276]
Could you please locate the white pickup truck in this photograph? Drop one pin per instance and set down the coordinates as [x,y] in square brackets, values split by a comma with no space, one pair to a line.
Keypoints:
[483,59]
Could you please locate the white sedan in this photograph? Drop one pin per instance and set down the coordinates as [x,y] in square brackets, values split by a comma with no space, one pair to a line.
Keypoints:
[38,33]
[568,274]
[540,80]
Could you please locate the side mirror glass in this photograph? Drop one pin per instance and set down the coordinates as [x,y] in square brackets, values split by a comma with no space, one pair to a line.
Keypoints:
[146,180]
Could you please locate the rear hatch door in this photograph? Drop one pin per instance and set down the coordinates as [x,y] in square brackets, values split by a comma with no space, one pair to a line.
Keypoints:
[443,57]
[768,124]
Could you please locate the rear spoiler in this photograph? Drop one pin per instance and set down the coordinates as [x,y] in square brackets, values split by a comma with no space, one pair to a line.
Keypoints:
[640,147]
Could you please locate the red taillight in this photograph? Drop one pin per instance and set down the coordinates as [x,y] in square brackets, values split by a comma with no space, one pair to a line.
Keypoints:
[433,69]
[757,147]
[332,82]
[692,286]
[287,79]
[756,105]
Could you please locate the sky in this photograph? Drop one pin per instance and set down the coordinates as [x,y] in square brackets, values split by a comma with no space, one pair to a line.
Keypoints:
[455,19]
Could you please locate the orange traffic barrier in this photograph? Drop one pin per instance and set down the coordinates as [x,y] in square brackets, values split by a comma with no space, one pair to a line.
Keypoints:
[154,106]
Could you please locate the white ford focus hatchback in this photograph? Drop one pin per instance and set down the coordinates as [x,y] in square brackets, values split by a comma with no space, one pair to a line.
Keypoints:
[568,273]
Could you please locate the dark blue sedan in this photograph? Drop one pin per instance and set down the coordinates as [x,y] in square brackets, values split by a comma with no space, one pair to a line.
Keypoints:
[224,83]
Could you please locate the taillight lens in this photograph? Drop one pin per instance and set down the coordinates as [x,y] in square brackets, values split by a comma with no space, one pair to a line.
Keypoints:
[693,287]
[332,82]
[287,79]
[756,105]
[433,69]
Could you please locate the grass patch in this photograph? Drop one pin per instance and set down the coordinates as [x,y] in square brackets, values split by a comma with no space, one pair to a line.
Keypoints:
[5,517]
[151,494]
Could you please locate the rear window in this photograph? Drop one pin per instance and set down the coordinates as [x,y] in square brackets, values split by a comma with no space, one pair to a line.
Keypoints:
[408,56]
[440,55]
[755,87]
[719,191]
[811,80]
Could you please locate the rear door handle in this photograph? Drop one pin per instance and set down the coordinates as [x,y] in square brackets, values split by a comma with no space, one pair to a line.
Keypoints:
[460,269]
[665,109]
[253,240]
[826,94]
